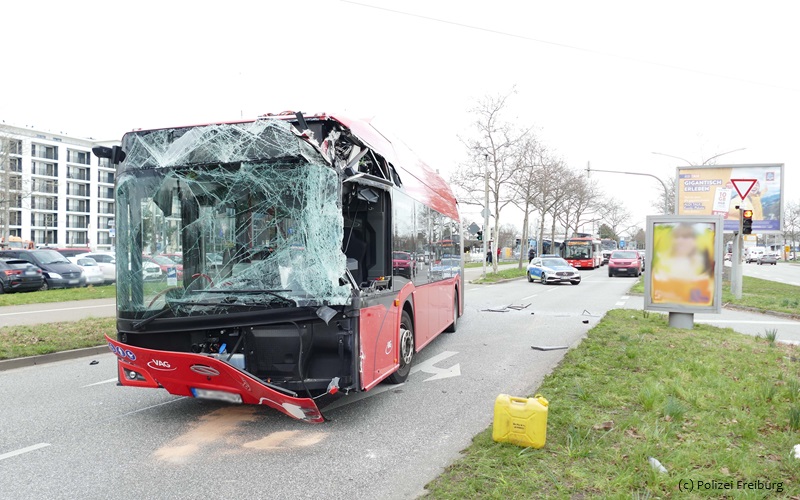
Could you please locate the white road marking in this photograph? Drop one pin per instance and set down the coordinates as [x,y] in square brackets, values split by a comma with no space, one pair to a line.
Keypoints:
[620,303]
[438,373]
[530,296]
[552,290]
[57,310]
[23,450]
[625,297]
[100,383]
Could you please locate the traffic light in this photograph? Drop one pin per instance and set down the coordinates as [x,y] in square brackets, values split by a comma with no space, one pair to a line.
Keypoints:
[747,221]
[480,235]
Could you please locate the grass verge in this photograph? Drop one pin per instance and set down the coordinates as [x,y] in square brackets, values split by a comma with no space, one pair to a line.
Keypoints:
[39,297]
[504,274]
[762,295]
[708,403]
[33,340]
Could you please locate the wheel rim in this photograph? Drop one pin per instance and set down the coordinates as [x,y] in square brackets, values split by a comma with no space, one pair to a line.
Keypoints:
[544,278]
[406,345]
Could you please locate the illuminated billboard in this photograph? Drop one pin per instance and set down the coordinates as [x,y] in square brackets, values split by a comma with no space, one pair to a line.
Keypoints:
[708,190]
[684,263]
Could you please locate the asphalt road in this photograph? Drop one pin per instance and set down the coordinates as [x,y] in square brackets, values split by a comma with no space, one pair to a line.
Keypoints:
[71,432]
[782,272]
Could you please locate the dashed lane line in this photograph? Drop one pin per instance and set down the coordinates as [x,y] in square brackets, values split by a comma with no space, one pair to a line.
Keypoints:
[21,451]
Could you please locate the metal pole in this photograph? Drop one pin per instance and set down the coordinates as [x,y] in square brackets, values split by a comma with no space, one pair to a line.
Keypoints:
[736,259]
[666,191]
[485,211]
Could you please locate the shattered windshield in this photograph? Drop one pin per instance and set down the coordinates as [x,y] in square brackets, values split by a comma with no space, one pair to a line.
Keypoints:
[261,233]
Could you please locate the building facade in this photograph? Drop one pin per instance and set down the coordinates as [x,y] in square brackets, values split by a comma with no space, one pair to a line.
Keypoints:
[54,191]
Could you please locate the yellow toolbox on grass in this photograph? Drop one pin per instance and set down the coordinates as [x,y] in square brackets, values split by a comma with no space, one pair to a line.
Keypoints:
[520,421]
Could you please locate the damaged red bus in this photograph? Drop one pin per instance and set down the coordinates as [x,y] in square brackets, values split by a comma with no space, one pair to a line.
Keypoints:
[285,228]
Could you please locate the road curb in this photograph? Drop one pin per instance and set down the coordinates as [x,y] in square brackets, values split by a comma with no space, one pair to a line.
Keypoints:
[498,281]
[734,307]
[11,364]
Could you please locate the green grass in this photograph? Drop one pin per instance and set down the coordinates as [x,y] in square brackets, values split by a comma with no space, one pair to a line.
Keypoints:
[762,295]
[502,275]
[21,341]
[708,403]
[89,292]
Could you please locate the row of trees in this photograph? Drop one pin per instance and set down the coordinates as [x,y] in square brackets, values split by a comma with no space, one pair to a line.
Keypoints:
[525,173]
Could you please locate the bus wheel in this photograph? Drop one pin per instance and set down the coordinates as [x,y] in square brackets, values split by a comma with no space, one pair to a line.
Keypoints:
[454,325]
[406,350]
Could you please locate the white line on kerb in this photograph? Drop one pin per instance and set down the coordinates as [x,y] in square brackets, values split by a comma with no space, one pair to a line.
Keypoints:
[100,383]
[23,450]
[57,310]
[748,322]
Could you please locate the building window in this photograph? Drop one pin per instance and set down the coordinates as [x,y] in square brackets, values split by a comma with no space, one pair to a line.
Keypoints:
[12,146]
[80,174]
[15,164]
[78,221]
[49,236]
[76,189]
[103,238]
[81,157]
[42,168]
[107,178]
[76,238]
[105,192]
[105,207]
[77,205]
[45,186]
[44,220]
[15,218]
[44,203]
[42,151]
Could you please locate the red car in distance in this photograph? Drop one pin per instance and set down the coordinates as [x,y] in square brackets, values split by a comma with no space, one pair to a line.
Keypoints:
[164,263]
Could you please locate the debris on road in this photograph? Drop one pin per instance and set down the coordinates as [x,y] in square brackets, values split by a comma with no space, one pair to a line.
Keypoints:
[515,307]
[656,465]
[549,347]
[94,362]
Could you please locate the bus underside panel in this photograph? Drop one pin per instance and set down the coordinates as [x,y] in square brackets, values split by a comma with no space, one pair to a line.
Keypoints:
[197,375]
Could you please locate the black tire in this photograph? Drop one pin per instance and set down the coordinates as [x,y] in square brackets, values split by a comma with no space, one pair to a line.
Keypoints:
[543,279]
[530,278]
[45,285]
[575,282]
[2,289]
[406,347]
[610,275]
[454,325]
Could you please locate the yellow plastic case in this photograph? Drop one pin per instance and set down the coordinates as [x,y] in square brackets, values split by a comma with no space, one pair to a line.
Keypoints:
[520,421]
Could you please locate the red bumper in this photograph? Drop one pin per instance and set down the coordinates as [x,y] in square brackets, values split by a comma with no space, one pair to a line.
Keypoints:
[180,372]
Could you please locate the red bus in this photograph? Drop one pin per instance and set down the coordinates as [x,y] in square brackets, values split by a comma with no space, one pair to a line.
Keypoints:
[287,226]
[583,252]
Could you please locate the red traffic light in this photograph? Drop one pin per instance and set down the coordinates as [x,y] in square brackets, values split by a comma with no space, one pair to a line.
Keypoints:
[747,214]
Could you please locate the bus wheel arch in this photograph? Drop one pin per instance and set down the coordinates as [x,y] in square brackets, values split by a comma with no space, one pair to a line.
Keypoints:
[456,314]
[406,346]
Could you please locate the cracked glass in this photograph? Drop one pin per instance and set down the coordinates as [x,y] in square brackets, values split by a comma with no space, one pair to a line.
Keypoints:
[227,218]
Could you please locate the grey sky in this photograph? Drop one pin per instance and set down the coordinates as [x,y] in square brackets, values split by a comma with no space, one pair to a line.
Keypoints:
[691,79]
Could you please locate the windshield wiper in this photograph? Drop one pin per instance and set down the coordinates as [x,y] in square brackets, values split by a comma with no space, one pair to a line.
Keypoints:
[141,324]
[248,291]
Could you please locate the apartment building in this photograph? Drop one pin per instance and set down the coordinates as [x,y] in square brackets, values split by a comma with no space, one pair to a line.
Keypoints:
[55,191]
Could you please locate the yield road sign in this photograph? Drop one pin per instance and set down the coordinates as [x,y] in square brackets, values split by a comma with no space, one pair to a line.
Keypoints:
[743,186]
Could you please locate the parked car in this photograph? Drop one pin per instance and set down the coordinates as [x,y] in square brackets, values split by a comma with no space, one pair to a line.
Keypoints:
[72,251]
[107,262]
[552,270]
[624,262]
[151,270]
[58,271]
[768,258]
[19,276]
[402,264]
[92,274]
[752,254]
[176,257]
[641,253]
[164,263]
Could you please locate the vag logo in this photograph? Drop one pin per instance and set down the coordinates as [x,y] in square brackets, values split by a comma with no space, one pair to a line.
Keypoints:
[157,364]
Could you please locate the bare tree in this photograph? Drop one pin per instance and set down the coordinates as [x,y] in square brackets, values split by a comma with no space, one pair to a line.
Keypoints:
[543,195]
[559,192]
[507,236]
[579,205]
[11,188]
[791,225]
[526,185]
[492,148]
[615,216]
[658,202]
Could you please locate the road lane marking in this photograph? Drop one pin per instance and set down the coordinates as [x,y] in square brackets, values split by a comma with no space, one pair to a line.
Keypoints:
[23,450]
[552,290]
[620,303]
[625,297]
[57,310]
[100,383]
[530,296]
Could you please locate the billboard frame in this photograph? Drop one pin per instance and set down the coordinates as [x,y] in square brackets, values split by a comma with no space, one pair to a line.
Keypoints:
[652,221]
[734,167]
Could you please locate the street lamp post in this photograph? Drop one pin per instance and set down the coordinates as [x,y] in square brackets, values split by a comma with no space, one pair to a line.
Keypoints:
[485,210]
[589,170]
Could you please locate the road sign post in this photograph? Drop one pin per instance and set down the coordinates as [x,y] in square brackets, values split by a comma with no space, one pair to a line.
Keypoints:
[736,259]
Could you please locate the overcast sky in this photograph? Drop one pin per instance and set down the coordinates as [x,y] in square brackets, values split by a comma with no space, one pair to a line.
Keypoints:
[606,82]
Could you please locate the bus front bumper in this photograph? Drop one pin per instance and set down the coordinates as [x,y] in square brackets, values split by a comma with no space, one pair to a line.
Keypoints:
[196,375]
